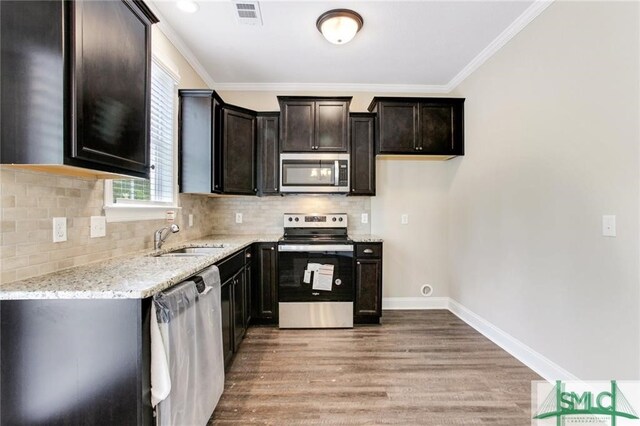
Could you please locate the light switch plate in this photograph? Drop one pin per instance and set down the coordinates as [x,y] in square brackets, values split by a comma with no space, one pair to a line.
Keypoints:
[608,226]
[364,218]
[238,217]
[59,229]
[404,219]
[98,226]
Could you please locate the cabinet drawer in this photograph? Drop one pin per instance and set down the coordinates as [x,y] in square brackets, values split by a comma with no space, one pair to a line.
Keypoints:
[230,266]
[369,250]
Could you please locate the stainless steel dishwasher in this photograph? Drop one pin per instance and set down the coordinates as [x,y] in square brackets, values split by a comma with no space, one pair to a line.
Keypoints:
[187,365]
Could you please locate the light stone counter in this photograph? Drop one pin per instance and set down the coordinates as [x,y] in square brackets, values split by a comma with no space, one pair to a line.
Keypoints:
[365,238]
[135,276]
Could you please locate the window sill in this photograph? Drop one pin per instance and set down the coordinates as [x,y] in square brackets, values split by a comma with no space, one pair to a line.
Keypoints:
[135,212]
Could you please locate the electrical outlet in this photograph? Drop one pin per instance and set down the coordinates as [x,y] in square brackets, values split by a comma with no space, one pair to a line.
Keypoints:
[190,220]
[608,226]
[98,226]
[404,219]
[59,229]
[238,217]
[364,218]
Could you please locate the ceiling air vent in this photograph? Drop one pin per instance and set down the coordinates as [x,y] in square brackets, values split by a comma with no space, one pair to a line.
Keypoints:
[248,12]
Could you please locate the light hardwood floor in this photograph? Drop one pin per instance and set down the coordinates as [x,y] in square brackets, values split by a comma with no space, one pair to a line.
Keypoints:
[418,368]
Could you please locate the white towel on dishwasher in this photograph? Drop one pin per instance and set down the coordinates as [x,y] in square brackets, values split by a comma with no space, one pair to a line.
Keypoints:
[160,375]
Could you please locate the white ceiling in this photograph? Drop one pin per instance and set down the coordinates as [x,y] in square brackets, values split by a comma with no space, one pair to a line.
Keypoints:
[424,44]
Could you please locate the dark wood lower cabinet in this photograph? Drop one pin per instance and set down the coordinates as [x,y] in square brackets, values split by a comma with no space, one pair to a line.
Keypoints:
[227,320]
[368,286]
[265,284]
[75,362]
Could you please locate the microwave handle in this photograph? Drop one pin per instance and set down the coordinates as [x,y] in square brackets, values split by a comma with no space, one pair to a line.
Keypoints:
[336,171]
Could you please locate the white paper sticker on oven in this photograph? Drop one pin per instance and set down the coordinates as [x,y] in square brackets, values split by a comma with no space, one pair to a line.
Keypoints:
[323,278]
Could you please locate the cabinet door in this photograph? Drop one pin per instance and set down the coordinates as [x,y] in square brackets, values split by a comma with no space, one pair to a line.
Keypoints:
[268,154]
[368,287]
[238,309]
[436,129]
[226,293]
[239,153]
[363,156]
[247,297]
[195,149]
[111,83]
[265,296]
[398,127]
[441,128]
[331,126]
[297,126]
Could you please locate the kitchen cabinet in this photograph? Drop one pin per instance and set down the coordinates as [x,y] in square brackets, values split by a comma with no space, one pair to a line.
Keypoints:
[368,297]
[76,361]
[265,284]
[268,124]
[363,156]
[314,124]
[76,89]
[420,126]
[217,145]
[199,125]
[234,278]
[236,158]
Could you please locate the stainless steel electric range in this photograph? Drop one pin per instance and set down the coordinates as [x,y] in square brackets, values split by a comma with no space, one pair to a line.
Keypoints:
[315,263]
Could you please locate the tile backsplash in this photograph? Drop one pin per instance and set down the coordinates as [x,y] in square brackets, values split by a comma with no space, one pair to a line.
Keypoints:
[263,215]
[29,200]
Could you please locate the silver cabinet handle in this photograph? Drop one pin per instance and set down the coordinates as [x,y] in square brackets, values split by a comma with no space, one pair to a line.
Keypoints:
[368,251]
[273,248]
[358,263]
[248,255]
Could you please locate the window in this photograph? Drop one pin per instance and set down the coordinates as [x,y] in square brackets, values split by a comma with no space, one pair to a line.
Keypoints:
[136,199]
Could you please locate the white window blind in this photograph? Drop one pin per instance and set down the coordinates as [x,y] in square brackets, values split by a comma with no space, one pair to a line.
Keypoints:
[159,188]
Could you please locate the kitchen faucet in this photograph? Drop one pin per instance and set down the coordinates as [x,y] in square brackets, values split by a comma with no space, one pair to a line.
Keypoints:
[160,235]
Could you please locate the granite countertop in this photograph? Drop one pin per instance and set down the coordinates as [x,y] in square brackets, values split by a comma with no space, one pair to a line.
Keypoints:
[365,238]
[135,276]
[138,275]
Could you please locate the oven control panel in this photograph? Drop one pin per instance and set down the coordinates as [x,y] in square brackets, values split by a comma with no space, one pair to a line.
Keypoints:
[315,220]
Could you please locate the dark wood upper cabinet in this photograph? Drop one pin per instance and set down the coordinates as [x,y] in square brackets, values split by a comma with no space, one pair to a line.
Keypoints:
[314,124]
[217,145]
[76,86]
[268,124]
[238,152]
[363,156]
[423,126]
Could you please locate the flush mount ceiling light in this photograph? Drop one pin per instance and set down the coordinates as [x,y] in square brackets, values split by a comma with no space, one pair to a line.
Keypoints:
[339,26]
[188,6]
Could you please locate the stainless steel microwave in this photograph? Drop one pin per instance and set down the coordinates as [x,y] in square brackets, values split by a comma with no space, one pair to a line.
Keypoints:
[314,172]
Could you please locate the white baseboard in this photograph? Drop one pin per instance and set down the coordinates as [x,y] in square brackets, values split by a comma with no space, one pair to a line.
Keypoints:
[542,365]
[404,303]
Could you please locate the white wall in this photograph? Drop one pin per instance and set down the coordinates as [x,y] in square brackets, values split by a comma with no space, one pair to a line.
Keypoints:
[552,144]
[417,253]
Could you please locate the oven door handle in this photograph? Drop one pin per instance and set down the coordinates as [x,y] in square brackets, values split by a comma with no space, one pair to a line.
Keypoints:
[315,247]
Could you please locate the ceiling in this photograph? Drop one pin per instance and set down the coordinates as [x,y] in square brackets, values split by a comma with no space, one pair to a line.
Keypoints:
[403,44]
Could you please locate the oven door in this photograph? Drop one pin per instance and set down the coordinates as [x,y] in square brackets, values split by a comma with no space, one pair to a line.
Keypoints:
[297,280]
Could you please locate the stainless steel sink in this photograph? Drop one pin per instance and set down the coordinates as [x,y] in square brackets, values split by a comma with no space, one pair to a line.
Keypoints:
[193,251]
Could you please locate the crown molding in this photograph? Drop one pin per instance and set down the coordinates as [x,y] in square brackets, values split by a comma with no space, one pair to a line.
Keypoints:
[332,87]
[181,46]
[532,12]
[511,31]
